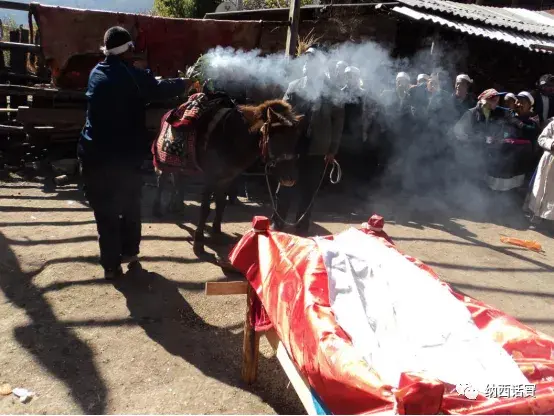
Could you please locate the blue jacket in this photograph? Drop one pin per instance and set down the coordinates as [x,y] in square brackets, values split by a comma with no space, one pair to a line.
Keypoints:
[115,129]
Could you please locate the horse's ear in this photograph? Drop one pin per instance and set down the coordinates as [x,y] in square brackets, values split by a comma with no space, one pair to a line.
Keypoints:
[271,115]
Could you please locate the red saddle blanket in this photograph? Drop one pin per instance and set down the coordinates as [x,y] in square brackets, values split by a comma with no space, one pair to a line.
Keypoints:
[175,148]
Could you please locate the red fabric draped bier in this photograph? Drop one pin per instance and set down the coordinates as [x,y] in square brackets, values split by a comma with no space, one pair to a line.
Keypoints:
[289,276]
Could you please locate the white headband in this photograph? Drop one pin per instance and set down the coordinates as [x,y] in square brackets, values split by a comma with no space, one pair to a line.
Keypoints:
[528,96]
[403,75]
[464,77]
[352,69]
[423,77]
[118,50]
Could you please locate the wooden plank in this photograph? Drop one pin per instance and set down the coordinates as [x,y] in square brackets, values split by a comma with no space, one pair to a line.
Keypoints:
[226,288]
[17,46]
[14,5]
[40,91]
[251,345]
[69,116]
[292,31]
[11,129]
[297,380]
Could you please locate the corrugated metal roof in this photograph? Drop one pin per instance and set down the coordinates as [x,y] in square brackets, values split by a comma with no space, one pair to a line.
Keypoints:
[516,19]
[502,35]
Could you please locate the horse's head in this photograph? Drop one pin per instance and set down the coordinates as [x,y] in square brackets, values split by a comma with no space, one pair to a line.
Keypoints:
[280,134]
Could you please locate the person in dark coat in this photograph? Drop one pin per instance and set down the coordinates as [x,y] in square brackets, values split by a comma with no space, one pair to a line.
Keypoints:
[463,97]
[544,98]
[113,145]
[478,126]
[419,96]
[313,95]
[510,157]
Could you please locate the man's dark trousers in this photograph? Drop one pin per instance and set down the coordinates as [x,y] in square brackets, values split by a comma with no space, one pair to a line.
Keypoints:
[310,171]
[114,194]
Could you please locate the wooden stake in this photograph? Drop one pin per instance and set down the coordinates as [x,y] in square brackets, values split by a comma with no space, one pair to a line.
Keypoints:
[251,344]
[294,23]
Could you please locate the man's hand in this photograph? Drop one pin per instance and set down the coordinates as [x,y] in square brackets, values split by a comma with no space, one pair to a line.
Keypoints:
[329,158]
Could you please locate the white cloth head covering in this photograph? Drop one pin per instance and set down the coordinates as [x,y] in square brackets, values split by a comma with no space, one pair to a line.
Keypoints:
[352,69]
[117,50]
[527,95]
[510,95]
[423,77]
[464,77]
[403,75]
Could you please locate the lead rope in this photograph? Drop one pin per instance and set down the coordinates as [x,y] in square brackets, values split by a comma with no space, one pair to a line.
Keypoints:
[336,166]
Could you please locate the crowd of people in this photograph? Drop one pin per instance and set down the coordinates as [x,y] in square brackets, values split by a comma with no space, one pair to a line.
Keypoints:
[435,132]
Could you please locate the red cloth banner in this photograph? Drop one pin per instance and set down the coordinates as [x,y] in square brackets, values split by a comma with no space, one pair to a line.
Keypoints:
[289,276]
[170,44]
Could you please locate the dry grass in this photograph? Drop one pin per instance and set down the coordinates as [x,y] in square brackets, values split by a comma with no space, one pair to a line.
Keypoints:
[306,42]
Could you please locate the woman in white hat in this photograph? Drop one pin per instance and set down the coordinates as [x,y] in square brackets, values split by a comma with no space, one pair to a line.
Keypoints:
[463,98]
[541,198]
[510,101]
[511,156]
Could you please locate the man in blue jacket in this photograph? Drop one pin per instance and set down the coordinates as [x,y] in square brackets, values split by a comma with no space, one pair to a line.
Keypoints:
[113,144]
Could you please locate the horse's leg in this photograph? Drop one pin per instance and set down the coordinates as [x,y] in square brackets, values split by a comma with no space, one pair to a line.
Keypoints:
[220,204]
[198,246]
[157,208]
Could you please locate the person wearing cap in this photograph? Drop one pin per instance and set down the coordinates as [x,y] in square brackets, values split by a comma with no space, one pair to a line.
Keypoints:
[463,98]
[541,196]
[113,145]
[396,101]
[510,157]
[315,96]
[543,96]
[354,134]
[396,119]
[510,101]
[339,73]
[419,96]
[478,126]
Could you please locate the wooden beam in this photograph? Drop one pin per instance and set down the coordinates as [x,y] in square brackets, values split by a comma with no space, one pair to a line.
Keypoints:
[26,47]
[41,92]
[544,47]
[11,129]
[74,117]
[13,5]
[226,288]
[294,23]
[250,345]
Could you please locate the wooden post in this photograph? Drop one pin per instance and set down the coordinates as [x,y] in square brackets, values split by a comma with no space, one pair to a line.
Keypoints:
[251,344]
[294,23]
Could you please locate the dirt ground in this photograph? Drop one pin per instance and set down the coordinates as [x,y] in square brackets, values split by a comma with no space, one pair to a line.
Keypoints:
[154,343]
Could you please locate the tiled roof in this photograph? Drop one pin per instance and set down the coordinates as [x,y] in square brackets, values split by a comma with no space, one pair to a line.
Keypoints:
[521,20]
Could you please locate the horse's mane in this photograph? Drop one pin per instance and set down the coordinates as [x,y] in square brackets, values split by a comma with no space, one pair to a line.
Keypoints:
[256,115]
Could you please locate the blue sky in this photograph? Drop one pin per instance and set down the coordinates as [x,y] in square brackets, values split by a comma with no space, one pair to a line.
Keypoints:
[133,6]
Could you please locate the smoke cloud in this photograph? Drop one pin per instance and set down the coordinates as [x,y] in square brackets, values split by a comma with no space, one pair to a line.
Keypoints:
[420,161]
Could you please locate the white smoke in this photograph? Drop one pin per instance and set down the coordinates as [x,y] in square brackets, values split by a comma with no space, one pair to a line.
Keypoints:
[251,69]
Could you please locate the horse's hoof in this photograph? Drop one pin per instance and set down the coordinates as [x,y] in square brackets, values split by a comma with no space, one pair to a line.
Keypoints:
[225,264]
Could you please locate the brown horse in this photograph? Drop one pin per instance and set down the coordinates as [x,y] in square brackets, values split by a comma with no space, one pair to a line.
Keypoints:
[231,143]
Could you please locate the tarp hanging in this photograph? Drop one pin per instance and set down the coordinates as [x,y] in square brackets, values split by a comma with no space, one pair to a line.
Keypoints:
[170,44]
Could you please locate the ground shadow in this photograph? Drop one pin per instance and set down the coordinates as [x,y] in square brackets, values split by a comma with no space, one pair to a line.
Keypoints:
[53,345]
[156,304]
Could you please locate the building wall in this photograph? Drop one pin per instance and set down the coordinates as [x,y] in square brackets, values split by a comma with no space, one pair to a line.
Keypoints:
[334,29]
